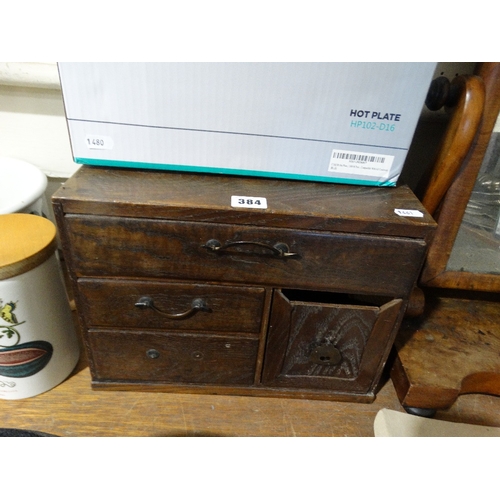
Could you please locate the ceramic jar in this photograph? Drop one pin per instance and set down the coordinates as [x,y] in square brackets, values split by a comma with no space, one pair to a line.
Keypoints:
[38,343]
[23,188]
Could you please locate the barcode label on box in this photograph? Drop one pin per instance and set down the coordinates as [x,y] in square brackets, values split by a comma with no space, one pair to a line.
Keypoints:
[354,162]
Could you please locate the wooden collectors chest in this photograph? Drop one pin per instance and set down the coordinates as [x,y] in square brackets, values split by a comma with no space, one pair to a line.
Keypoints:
[183,282]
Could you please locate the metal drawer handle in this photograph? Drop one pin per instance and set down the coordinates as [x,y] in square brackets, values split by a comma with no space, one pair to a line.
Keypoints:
[279,249]
[196,305]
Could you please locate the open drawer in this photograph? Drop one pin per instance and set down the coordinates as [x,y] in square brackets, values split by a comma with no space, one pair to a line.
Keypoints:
[328,341]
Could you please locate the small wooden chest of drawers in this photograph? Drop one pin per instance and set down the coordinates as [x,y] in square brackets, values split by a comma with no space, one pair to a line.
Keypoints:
[183,283]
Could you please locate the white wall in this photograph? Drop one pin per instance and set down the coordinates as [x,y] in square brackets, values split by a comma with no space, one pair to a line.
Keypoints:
[32,122]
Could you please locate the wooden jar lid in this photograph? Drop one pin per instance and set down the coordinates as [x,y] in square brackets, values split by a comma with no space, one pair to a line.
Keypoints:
[27,241]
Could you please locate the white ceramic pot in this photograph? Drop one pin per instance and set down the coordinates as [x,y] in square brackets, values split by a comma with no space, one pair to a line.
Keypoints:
[23,188]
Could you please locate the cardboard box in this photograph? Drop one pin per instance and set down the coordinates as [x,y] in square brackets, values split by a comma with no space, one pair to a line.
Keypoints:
[333,122]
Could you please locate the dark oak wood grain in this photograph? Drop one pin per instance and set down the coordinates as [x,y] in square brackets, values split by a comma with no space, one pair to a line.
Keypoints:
[120,246]
[127,234]
[173,358]
[452,348]
[449,217]
[206,198]
[111,302]
[300,331]
[72,409]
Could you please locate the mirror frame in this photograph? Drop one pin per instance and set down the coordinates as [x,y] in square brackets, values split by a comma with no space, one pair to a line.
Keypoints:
[451,211]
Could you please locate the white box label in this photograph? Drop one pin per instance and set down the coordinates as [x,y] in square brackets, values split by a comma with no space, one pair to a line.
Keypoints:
[408,213]
[248,202]
[98,142]
[354,162]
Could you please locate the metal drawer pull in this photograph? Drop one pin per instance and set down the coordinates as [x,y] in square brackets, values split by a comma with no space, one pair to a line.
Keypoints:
[152,353]
[196,305]
[279,249]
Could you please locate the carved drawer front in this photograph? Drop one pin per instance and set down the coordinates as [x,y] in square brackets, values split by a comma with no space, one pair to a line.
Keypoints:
[171,306]
[243,254]
[172,358]
[327,341]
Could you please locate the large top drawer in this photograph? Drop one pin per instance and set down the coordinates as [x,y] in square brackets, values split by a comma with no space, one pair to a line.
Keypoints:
[140,247]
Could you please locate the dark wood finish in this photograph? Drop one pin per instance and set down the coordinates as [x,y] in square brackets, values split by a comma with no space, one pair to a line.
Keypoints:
[301,331]
[169,249]
[206,198]
[111,303]
[177,359]
[466,115]
[72,409]
[449,218]
[128,233]
[453,348]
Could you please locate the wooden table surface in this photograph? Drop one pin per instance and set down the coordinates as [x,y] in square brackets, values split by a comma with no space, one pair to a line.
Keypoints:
[74,409]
